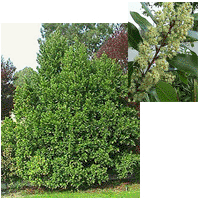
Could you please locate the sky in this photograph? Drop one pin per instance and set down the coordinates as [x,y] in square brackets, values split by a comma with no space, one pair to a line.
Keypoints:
[19,43]
[19,40]
[20,29]
[169,133]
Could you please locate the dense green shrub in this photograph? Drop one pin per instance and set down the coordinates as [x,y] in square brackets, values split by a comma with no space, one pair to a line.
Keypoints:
[8,149]
[75,128]
[126,163]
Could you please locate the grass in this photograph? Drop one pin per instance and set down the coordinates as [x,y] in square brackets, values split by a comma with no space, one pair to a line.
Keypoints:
[111,189]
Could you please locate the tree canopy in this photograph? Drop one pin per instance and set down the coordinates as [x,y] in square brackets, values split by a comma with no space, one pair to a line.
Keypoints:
[116,47]
[23,75]
[7,87]
[75,126]
[92,35]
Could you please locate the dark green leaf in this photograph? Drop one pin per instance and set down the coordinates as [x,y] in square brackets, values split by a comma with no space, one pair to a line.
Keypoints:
[182,76]
[134,37]
[195,93]
[186,63]
[166,93]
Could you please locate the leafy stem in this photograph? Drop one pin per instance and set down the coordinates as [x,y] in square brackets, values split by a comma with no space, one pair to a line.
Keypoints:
[163,43]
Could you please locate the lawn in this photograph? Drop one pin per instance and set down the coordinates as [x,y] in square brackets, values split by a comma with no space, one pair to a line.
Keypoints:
[111,189]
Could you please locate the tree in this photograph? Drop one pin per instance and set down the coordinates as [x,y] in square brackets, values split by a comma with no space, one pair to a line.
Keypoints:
[91,34]
[7,87]
[52,65]
[22,75]
[116,47]
[76,128]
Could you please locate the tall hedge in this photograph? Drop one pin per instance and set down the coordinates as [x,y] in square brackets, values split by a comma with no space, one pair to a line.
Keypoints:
[8,149]
[72,128]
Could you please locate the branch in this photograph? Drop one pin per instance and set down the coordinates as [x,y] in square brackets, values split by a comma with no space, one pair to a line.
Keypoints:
[162,45]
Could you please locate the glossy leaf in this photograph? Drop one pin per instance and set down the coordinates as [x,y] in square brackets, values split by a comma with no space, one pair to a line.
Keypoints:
[141,21]
[186,63]
[134,37]
[166,93]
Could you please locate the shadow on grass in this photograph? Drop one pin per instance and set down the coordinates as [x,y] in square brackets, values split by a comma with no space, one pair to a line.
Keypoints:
[106,187]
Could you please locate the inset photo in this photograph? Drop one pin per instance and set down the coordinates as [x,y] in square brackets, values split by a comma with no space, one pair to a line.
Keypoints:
[163,51]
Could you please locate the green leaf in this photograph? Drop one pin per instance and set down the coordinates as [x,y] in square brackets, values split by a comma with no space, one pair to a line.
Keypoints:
[195,15]
[186,63]
[141,21]
[130,72]
[166,93]
[134,37]
[183,77]
[195,93]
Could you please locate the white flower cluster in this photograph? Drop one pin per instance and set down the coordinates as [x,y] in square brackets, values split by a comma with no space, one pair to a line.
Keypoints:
[164,39]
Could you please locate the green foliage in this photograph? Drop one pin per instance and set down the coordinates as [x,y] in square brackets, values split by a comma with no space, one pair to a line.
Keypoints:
[7,87]
[127,163]
[134,37]
[50,55]
[93,35]
[23,75]
[165,92]
[74,126]
[185,86]
[141,21]
[186,63]
[8,149]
